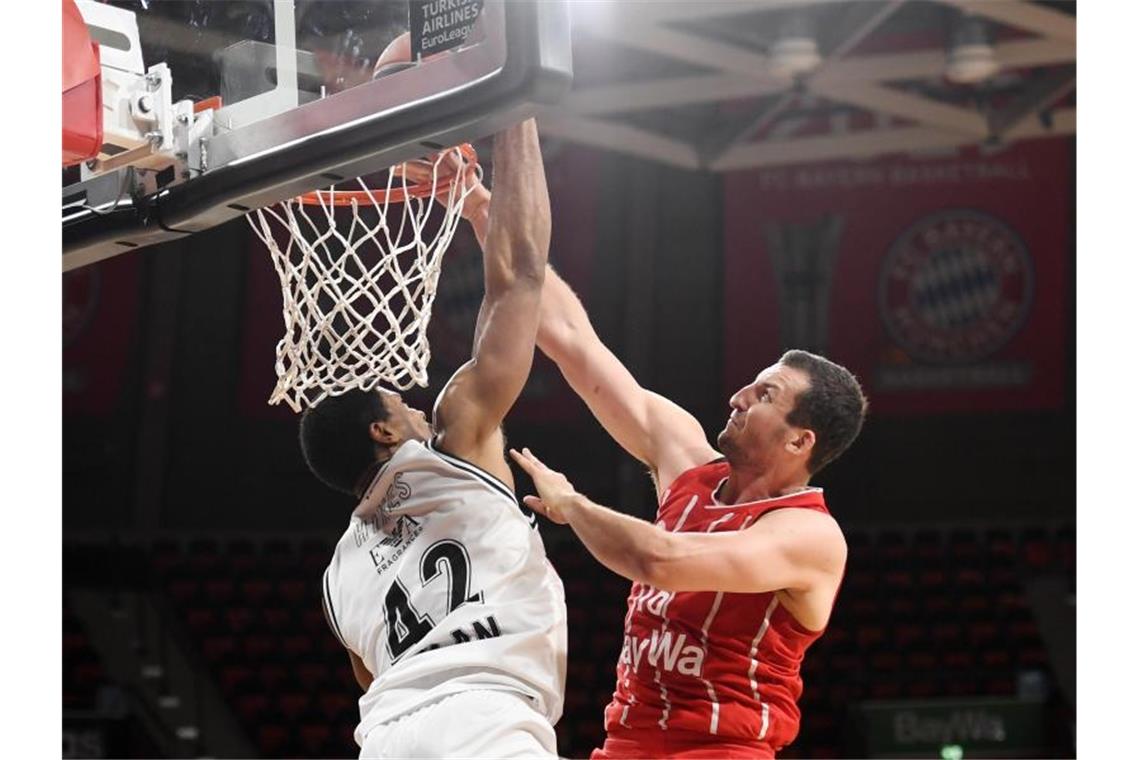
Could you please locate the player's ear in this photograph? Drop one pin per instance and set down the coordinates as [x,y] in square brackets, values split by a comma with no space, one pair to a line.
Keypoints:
[384,433]
[801,442]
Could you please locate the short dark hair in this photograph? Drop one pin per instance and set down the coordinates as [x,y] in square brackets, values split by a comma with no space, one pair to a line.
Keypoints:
[335,441]
[833,407]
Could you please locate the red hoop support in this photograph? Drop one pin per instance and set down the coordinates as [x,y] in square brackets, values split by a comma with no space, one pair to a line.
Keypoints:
[395,195]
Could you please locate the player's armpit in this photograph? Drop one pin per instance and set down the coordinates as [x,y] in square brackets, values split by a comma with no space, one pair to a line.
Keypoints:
[363,677]
[789,549]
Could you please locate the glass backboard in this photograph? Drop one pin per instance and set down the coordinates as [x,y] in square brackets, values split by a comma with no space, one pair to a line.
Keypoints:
[212,108]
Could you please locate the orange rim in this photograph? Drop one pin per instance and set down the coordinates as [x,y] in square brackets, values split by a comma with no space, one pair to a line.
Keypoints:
[395,195]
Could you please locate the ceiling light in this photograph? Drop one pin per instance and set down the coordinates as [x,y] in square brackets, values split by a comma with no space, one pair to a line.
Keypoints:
[971,58]
[795,52]
[794,56]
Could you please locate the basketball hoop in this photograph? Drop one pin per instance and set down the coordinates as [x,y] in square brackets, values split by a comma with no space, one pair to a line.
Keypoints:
[357,293]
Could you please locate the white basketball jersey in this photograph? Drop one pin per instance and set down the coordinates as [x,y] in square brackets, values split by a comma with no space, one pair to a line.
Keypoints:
[440,585]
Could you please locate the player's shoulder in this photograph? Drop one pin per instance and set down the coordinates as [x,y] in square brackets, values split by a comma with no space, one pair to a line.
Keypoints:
[811,531]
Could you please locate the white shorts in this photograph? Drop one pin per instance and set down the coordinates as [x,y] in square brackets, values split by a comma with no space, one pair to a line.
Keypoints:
[483,724]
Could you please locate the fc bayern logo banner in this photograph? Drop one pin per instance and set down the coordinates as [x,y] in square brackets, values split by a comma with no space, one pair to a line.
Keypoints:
[942,281]
[955,287]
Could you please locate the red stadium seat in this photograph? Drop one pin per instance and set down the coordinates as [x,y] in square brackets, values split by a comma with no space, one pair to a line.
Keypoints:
[185,590]
[292,703]
[860,582]
[1032,658]
[296,592]
[258,647]
[272,676]
[922,688]
[298,646]
[313,620]
[938,606]
[888,661]
[863,608]
[947,634]
[236,677]
[240,619]
[845,662]
[271,739]
[921,661]
[974,606]
[256,591]
[333,704]
[869,636]
[933,579]
[218,647]
[902,606]
[202,620]
[219,591]
[881,689]
[962,685]
[1000,685]
[969,579]
[313,675]
[958,660]
[982,634]
[1037,554]
[276,618]
[909,634]
[996,658]
[252,707]
[898,580]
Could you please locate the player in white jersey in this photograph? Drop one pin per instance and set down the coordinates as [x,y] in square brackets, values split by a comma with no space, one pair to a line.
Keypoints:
[440,590]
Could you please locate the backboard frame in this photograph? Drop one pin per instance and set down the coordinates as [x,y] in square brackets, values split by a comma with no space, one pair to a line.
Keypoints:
[349,134]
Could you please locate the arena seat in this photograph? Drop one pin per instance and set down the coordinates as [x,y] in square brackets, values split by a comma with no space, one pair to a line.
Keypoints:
[947,616]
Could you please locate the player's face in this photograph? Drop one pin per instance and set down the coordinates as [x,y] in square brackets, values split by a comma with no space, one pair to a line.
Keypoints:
[410,423]
[757,426]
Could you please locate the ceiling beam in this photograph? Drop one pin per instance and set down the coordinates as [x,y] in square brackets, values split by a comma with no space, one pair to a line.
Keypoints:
[641,12]
[1031,17]
[687,47]
[831,147]
[905,105]
[873,143]
[858,22]
[704,88]
[1035,98]
[1062,121]
[740,129]
[635,141]
[885,67]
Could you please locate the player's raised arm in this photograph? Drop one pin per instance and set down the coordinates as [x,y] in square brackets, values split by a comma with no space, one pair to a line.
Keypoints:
[647,425]
[476,399]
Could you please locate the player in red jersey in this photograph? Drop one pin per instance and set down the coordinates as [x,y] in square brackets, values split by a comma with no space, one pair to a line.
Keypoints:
[739,574]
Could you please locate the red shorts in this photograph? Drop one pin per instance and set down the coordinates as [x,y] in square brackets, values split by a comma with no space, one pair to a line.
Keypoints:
[643,744]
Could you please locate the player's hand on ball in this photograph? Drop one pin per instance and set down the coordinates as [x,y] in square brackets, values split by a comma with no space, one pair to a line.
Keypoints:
[555,492]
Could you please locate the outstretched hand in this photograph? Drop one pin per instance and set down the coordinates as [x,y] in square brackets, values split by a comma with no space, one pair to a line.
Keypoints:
[555,492]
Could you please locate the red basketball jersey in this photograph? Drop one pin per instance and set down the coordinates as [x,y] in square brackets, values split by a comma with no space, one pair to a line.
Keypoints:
[708,668]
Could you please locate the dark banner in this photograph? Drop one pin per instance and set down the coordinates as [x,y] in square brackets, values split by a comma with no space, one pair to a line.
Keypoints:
[571,176]
[100,324]
[941,282]
[953,728]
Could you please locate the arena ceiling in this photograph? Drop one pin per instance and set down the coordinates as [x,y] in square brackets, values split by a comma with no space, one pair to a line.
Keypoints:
[704,84]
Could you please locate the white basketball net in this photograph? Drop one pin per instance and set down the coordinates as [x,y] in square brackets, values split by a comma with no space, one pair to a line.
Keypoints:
[358,295]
